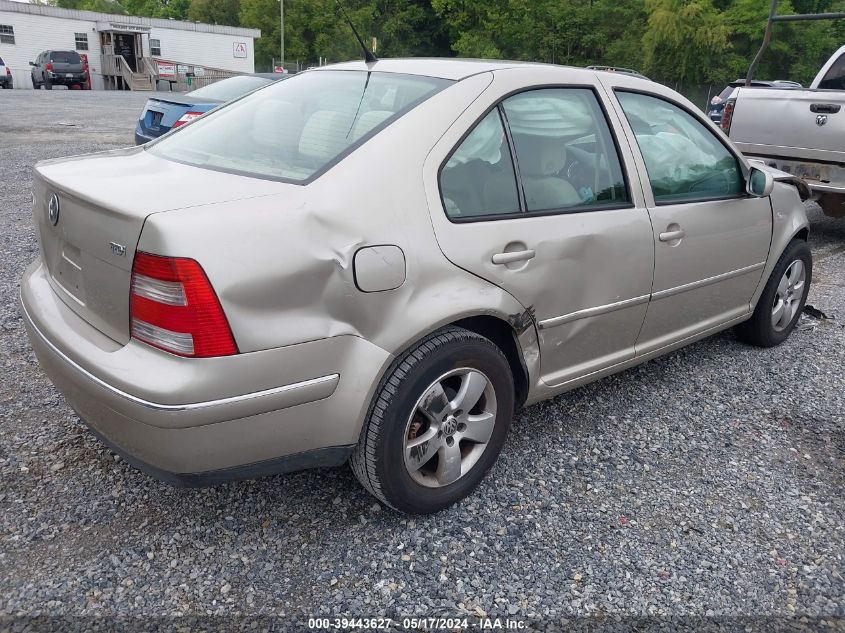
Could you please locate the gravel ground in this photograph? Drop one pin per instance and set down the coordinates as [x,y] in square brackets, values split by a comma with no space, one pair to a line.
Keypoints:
[706,483]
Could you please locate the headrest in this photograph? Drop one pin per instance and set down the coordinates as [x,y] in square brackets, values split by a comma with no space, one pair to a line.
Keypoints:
[326,134]
[369,120]
[539,156]
[276,124]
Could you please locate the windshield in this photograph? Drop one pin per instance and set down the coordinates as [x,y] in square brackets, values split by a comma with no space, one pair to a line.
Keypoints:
[229,89]
[65,57]
[295,129]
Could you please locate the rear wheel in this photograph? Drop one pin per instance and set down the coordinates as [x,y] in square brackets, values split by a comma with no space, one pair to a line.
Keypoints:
[437,423]
[47,84]
[35,85]
[782,300]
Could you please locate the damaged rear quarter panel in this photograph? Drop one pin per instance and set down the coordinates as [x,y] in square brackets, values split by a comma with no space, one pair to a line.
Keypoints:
[282,265]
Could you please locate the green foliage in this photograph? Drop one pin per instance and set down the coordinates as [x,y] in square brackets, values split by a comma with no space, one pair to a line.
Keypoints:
[683,43]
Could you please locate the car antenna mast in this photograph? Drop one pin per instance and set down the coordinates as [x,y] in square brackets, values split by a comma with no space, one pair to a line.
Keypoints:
[368,55]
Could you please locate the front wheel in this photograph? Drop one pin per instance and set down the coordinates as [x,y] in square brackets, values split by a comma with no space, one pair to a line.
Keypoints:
[437,423]
[783,298]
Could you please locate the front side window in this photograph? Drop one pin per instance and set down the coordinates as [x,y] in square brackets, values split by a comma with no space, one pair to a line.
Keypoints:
[684,159]
[295,129]
[81,41]
[564,151]
[834,78]
[478,179]
[155,48]
[7,34]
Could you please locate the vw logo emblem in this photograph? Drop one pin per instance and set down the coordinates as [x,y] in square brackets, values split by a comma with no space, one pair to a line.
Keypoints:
[821,119]
[53,210]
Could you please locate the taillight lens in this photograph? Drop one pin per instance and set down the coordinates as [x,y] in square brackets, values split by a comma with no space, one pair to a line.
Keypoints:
[187,118]
[727,115]
[8,71]
[49,66]
[173,307]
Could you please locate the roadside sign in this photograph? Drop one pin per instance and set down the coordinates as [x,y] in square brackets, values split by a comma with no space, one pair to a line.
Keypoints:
[166,70]
[239,49]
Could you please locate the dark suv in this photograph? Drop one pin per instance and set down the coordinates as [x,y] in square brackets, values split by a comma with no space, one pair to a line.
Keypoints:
[58,68]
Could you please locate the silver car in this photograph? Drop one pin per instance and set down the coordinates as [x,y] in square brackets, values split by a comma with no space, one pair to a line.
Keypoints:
[378,263]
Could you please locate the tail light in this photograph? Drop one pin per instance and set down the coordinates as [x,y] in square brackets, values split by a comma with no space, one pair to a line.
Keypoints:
[8,71]
[727,116]
[187,118]
[49,66]
[173,307]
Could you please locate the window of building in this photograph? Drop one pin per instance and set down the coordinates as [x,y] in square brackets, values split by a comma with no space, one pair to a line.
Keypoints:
[155,48]
[7,34]
[81,41]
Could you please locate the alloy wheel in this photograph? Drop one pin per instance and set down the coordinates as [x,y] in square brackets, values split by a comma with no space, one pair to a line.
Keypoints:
[788,295]
[450,427]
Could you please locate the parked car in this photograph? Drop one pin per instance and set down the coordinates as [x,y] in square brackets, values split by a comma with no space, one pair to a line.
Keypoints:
[797,131]
[59,68]
[379,262]
[6,75]
[163,113]
[717,103]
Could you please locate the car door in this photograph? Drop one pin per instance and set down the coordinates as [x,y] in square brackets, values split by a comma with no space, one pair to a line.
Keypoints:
[711,239]
[528,190]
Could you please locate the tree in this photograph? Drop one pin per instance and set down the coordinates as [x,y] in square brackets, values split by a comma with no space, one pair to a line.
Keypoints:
[215,12]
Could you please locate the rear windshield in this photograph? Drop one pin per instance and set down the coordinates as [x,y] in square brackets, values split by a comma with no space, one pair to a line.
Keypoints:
[229,89]
[295,129]
[65,57]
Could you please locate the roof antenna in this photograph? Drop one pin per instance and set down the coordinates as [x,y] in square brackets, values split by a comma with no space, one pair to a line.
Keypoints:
[368,55]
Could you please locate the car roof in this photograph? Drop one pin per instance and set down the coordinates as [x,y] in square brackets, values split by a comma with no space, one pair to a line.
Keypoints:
[445,68]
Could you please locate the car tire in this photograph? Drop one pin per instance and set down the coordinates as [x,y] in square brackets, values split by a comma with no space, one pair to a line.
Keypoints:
[412,475]
[783,298]
[47,85]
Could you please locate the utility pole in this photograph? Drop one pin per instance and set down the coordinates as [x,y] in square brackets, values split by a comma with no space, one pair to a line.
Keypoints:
[282,32]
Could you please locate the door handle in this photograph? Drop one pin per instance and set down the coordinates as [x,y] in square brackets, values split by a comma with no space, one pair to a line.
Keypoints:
[825,108]
[516,256]
[671,236]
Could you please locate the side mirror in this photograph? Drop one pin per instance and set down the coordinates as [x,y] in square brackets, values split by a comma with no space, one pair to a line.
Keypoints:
[32,64]
[760,183]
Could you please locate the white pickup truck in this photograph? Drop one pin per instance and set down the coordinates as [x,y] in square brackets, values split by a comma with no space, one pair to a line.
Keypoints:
[801,132]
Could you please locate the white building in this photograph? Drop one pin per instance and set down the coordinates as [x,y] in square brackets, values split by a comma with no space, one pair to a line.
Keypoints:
[124,51]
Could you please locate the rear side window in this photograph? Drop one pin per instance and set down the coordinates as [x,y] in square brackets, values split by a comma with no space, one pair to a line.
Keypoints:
[566,159]
[229,89]
[834,79]
[564,151]
[65,57]
[684,159]
[1,62]
[478,179]
[297,128]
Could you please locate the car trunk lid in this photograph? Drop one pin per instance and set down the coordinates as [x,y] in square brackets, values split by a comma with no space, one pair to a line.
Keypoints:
[88,245]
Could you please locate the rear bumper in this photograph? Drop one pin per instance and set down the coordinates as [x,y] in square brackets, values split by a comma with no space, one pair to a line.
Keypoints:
[821,177]
[143,136]
[199,421]
[62,79]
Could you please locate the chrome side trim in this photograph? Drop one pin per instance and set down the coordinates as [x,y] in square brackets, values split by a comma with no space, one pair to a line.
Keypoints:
[170,408]
[591,312]
[669,292]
